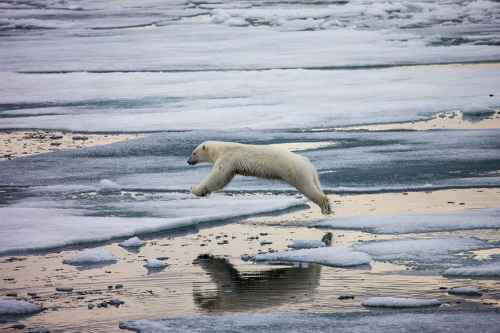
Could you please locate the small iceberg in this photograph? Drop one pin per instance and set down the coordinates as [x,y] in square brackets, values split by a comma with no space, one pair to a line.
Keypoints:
[313,243]
[107,186]
[399,302]
[329,256]
[466,291]
[90,257]
[133,242]
[155,264]
[15,307]
[491,269]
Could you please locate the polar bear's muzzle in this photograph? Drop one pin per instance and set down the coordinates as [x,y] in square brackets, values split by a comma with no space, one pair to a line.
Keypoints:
[192,161]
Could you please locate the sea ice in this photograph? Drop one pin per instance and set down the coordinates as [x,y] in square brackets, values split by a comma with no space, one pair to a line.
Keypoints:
[490,269]
[428,250]
[306,244]
[22,231]
[15,307]
[90,257]
[107,186]
[155,264]
[416,223]
[365,322]
[399,302]
[205,100]
[329,256]
[468,291]
[326,240]
[132,242]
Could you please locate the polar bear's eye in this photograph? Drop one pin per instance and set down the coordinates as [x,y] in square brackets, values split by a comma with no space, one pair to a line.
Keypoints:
[204,148]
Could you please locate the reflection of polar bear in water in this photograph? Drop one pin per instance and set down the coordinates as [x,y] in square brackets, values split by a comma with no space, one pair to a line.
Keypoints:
[230,159]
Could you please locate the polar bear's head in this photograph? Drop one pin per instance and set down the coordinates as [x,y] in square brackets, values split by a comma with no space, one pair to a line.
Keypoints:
[200,154]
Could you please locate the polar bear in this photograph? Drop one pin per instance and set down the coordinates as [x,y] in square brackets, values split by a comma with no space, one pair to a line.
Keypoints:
[264,161]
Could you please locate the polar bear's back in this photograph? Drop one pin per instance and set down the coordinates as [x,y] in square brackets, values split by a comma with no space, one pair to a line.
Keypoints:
[269,162]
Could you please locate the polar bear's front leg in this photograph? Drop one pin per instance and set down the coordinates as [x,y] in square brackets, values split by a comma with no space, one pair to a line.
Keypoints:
[216,180]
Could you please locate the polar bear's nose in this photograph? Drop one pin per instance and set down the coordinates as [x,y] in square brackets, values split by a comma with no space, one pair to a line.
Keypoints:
[191,161]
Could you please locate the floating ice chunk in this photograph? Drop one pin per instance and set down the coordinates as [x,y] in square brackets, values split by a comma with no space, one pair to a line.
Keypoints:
[329,256]
[411,223]
[311,244]
[155,264]
[419,249]
[491,269]
[468,291]
[306,244]
[399,302]
[107,186]
[90,257]
[132,242]
[15,307]
[237,22]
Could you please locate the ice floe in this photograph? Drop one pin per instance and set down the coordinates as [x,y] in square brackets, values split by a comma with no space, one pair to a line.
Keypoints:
[416,223]
[326,240]
[399,302]
[366,322]
[155,264]
[133,242]
[467,291]
[22,229]
[490,269]
[427,250]
[15,307]
[306,244]
[90,257]
[329,256]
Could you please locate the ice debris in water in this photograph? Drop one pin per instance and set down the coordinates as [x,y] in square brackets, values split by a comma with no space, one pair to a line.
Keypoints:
[90,257]
[400,302]
[330,256]
[306,244]
[107,186]
[155,264]
[490,269]
[15,307]
[468,291]
[310,244]
[132,242]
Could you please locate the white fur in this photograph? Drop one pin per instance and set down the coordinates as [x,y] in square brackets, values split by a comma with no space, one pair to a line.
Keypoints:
[264,161]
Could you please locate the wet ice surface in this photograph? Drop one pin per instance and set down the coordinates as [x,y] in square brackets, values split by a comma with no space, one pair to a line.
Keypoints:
[141,186]
[359,323]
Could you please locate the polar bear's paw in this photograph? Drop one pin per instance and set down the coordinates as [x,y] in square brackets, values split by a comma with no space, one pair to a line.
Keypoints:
[199,191]
[326,209]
